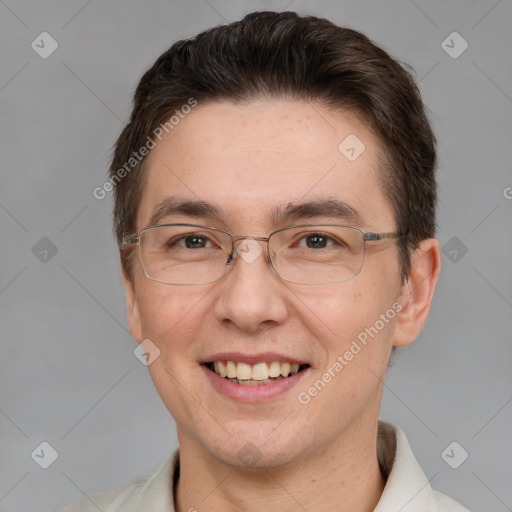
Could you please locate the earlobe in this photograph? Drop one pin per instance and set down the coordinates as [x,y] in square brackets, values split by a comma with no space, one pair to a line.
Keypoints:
[418,292]
[132,308]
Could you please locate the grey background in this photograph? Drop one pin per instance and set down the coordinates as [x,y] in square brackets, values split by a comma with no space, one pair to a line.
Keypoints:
[68,373]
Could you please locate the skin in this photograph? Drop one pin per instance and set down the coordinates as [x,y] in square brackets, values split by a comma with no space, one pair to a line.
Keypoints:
[247,159]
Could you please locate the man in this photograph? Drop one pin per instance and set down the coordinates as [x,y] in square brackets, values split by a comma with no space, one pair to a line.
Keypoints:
[275,210]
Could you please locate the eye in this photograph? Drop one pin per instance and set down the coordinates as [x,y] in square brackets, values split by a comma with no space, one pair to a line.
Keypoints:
[191,241]
[316,241]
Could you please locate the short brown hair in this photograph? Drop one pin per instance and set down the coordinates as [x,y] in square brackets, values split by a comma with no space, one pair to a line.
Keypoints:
[274,54]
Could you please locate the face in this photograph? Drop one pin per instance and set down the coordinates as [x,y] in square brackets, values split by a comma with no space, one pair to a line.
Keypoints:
[249,161]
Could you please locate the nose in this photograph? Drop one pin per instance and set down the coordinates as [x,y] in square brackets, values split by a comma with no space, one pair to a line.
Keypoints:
[251,295]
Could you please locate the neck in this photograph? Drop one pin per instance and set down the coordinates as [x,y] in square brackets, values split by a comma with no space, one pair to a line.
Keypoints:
[345,476]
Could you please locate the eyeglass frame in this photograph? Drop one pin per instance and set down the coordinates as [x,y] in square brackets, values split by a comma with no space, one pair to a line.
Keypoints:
[134,239]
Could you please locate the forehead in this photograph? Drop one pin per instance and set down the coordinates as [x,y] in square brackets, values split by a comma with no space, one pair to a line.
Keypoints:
[254,159]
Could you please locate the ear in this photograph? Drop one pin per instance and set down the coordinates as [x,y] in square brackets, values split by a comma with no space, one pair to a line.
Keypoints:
[417,292]
[132,307]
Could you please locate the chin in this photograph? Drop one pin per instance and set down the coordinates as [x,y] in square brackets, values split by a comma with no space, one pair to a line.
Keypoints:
[254,448]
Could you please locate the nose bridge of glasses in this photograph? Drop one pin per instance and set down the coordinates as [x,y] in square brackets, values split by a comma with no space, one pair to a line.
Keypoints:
[245,237]
[238,240]
[250,250]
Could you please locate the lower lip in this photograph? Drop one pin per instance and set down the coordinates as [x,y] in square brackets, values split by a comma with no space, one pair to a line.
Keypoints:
[252,394]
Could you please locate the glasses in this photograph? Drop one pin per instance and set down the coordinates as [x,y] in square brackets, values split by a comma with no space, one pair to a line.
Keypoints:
[189,254]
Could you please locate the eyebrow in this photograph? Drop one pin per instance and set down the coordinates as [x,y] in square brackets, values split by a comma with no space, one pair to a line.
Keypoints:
[173,206]
[328,207]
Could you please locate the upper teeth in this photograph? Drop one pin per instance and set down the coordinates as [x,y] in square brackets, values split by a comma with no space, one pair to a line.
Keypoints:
[258,371]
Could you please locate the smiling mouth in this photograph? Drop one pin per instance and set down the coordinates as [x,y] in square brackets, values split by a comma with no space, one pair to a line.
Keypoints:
[255,374]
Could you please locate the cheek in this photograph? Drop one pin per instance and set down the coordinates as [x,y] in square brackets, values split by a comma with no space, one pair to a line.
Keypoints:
[167,316]
[347,319]
[172,320]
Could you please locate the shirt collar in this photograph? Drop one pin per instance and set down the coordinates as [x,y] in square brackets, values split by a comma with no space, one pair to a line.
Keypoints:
[407,488]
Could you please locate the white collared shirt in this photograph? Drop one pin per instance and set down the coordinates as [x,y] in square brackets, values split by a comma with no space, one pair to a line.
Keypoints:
[407,488]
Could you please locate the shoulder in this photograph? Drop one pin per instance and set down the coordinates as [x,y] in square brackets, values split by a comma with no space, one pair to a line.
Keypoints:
[106,501]
[446,504]
[154,493]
